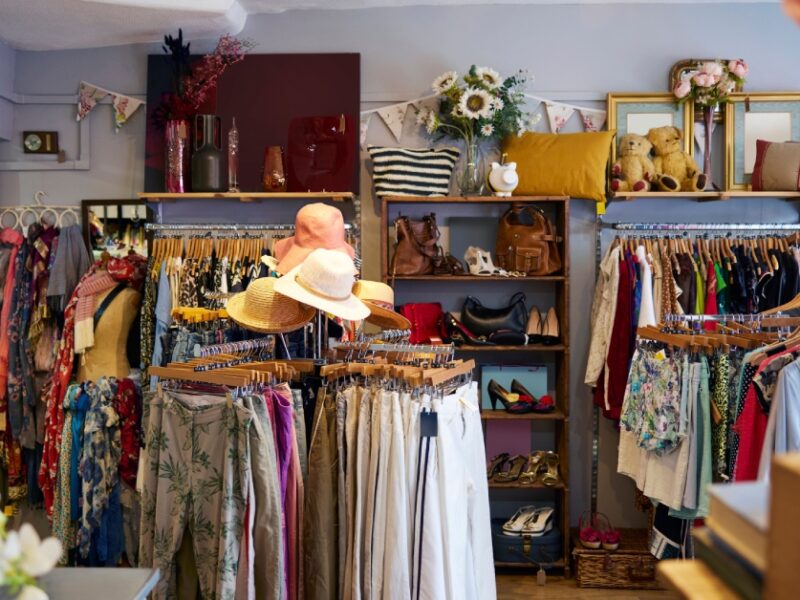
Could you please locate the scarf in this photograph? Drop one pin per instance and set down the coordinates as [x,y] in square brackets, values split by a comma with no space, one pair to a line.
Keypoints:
[71,262]
[94,285]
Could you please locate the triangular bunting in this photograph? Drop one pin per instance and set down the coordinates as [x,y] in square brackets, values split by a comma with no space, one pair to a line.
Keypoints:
[393,116]
[124,107]
[365,119]
[593,120]
[558,114]
[88,97]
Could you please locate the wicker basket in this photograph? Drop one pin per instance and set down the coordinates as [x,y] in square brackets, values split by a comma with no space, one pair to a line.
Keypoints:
[631,567]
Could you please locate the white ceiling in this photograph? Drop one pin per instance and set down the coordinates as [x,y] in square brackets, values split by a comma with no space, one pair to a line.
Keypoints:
[64,24]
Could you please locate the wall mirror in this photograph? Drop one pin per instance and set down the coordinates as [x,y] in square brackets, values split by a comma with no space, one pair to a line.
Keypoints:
[115,226]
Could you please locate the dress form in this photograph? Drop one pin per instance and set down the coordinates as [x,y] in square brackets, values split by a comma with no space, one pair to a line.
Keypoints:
[108,357]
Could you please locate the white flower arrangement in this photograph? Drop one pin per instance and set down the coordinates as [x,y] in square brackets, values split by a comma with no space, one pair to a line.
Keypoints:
[476,103]
[444,82]
[23,558]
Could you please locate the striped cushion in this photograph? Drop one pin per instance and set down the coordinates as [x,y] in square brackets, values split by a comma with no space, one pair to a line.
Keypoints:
[412,172]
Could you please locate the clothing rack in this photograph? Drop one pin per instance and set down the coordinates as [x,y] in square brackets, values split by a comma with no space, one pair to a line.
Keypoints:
[400,348]
[209,228]
[699,226]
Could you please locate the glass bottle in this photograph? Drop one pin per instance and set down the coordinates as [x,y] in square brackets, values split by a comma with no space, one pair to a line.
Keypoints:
[233,158]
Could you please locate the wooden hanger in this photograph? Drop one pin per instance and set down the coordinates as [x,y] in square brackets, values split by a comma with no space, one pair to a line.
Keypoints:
[437,377]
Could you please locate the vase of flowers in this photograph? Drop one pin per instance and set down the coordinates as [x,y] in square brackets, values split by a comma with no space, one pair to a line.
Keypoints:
[480,109]
[709,87]
[23,559]
[191,83]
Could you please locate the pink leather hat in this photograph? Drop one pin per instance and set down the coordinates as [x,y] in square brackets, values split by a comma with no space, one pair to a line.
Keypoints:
[316,226]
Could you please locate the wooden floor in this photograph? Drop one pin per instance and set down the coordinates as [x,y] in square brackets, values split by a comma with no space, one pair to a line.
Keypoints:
[524,586]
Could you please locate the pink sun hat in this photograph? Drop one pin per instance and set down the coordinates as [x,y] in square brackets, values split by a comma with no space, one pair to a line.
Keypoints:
[316,226]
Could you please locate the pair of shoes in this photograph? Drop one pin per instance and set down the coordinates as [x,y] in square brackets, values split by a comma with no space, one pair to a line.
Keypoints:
[518,395]
[543,331]
[459,335]
[480,263]
[595,530]
[530,520]
[496,464]
[526,469]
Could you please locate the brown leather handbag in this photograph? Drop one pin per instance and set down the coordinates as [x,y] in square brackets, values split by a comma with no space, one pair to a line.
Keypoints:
[416,247]
[527,242]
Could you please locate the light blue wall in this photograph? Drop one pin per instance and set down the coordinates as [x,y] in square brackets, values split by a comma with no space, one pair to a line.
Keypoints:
[7,66]
[576,53]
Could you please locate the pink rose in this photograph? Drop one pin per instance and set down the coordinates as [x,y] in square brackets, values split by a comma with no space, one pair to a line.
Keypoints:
[738,68]
[712,68]
[682,89]
[703,79]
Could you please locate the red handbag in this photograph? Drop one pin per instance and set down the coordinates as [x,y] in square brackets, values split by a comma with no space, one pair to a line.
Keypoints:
[427,322]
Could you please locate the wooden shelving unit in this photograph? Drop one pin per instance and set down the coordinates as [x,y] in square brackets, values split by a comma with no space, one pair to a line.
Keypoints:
[246,196]
[702,196]
[557,285]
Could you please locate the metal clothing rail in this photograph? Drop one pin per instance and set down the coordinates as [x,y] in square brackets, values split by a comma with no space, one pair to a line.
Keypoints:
[267,343]
[211,227]
[401,348]
[699,226]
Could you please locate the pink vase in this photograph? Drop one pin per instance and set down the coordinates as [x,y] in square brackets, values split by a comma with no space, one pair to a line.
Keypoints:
[176,155]
[708,123]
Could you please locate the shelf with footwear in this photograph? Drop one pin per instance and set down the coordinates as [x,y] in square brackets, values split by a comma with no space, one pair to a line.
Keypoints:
[473,224]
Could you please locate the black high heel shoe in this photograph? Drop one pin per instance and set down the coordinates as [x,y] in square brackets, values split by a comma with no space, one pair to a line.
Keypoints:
[460,335]
[514,405]
[496,465]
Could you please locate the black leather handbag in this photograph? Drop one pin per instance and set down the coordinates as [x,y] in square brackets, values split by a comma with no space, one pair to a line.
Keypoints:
[481,320]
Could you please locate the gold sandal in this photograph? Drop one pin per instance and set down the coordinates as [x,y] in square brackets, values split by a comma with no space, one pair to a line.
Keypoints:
[530,474]
[550,474]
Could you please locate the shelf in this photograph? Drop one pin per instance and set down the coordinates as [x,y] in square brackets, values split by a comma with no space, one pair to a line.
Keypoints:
[474,278]
[693,579]
[475,199]
[558,564]
[247,196]
[529,348]
[501,415]
[702,196]
[515,485]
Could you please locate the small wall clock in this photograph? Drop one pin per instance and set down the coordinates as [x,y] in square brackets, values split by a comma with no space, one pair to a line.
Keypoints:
[40,142]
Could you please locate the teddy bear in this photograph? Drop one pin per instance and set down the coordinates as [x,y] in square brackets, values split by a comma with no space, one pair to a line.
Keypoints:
[633,168]
[676,170]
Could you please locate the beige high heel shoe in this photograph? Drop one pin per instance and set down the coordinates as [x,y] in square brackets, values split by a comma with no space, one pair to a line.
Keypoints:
[550,329]
[534,328]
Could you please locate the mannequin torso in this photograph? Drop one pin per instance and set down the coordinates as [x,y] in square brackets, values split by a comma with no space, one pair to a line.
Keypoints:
[108,357]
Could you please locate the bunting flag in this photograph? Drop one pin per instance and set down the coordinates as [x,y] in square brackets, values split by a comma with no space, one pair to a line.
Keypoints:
[365,119]
[89,95]
[558,114]
[593,120]
[394,116]
[124,107]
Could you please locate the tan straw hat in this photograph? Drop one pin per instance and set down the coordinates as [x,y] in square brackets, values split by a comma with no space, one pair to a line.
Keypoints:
[261,308]
[325,281]
[379,297]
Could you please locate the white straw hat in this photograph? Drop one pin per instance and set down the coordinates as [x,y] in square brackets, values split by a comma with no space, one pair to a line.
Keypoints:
[261,308]
[325,281]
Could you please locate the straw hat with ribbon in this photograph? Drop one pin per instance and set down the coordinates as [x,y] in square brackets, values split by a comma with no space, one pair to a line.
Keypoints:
[379,297]
[261,308]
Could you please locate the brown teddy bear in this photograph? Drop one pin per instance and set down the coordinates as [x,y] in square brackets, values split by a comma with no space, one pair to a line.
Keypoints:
[633,168]
[676,170]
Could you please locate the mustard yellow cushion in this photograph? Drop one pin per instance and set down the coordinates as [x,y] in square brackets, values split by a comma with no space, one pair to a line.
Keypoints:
[561,164]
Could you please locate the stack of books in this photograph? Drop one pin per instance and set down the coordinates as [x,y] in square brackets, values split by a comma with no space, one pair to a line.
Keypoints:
[734,542]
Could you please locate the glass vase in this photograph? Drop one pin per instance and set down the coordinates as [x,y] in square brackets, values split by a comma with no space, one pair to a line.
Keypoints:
[472,180]
[176,154]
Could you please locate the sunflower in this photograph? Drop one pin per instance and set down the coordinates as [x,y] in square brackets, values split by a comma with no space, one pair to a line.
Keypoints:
[487,130]
[444,82]
[432,122]
[489,77]
[476,103]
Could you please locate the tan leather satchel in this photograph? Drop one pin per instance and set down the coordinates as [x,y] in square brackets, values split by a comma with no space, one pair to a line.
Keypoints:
[527,242]
[416,247]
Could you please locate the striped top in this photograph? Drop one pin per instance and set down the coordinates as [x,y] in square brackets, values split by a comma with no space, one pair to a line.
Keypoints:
[412,172]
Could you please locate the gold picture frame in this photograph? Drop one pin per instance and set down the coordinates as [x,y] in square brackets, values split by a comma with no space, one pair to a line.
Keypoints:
[638,112]
[779,121]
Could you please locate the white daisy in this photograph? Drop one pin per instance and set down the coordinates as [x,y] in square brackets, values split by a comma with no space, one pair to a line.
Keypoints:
[432,123]
[422,116]
[487,130]
[457,112]
[444,82]
[476,103]
[489,77]
[498,104]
